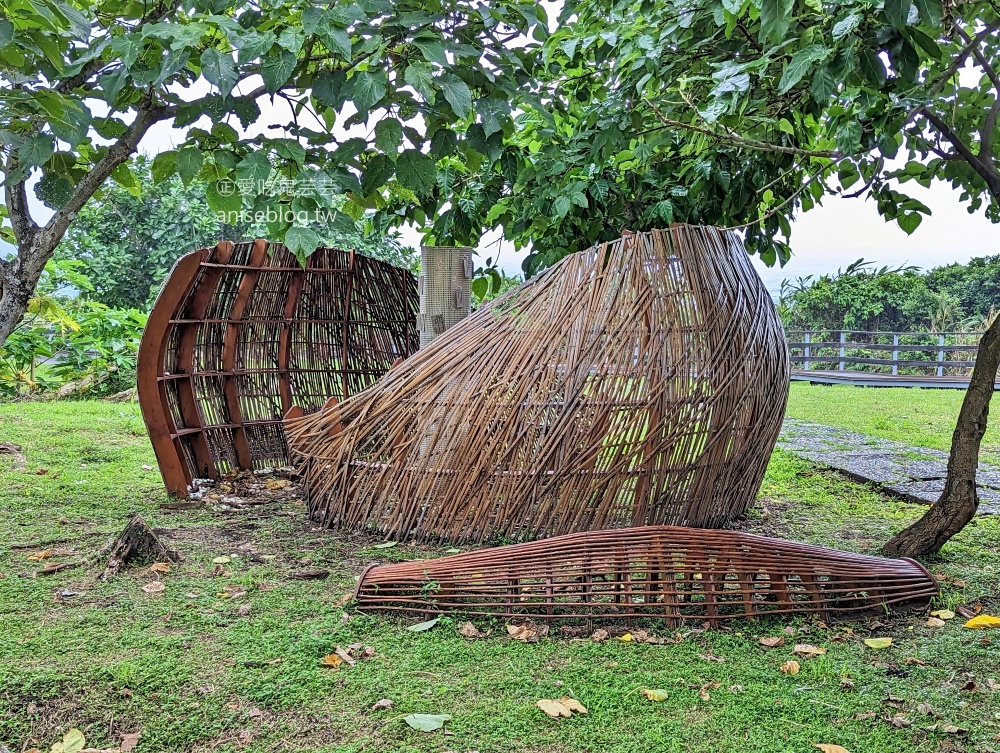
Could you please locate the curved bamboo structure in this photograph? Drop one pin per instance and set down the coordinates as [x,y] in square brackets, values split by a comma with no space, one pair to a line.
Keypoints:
[242,332]
[661,572]
[638,382]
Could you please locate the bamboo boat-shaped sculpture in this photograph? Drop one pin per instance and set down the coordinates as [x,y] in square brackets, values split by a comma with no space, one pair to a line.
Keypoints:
[664,572]
[641,381]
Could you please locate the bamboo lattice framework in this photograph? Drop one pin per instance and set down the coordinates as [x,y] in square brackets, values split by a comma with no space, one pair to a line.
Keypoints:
[639,382]
[242,332]
[662,572]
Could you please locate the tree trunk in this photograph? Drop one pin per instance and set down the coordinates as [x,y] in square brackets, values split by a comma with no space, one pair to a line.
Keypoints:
[959,501]
[18,277]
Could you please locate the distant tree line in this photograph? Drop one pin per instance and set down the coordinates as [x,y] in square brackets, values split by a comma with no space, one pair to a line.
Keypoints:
[951,298]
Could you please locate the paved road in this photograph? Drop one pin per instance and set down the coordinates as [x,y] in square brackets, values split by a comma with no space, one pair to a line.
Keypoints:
[914,473]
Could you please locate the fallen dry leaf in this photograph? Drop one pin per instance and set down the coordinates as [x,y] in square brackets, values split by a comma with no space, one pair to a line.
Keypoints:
[712,657]
[274,484]
[951,729]
[772,642]
[39,556]
[790,667]
[806,650]
[383,703]
[161,568]
[789,630]
[846,683]
[898,721]
[468,630]
[553,708]
[969,612]
[222,560]
[943,614]
[703,693]
[934,622]
[154,588]
[971,686]
[600,635]
[982,622]
[573,705]
[828,748]
[878,643]
[129,741]
[654,695]
[527,632]
[348,659]
[913,660]
[331,660]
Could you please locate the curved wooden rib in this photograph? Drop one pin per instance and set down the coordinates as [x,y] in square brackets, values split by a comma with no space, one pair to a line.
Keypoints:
[150,389]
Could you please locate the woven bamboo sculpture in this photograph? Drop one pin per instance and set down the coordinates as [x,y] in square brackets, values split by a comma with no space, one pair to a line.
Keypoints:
[663,572]
[638,382]
[241,332]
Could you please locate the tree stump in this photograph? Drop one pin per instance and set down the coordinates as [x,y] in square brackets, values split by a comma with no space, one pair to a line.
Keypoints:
[136,544]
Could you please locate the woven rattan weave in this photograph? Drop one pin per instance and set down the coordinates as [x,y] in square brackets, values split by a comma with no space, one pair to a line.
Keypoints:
[638,382]
[663,572]
[241,332]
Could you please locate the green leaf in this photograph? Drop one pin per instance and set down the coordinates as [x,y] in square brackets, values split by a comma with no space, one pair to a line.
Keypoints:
[427,722]
[775,17]
[389,135]
[72,123]
[386,545]
[377,171]
[301,241]
[456,91]
[562,206]
[872,67]
[480,287]
[368,88]
[337,40]
[124,177]
[277,69]
[218,68]
[493,111]
[419,76]
[327,88]
[897,12]
[188,163]
[823,85]
[430,47]
[845,26]
[908,222]
[255,44]
[421,627]
[223,196]
[6,32]
[416,171]
[34,151]
[164,165]
[878,643]
[256,168]
[292,38]
[799,66]
[128,47]
[73,741]
[931,11]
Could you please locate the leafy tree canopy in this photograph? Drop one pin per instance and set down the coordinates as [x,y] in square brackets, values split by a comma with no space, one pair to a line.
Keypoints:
[125,241]
[740,112]
[84,80]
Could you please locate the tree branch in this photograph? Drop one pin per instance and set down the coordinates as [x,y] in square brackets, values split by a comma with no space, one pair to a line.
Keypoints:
[16,197]
[957,63]
[49,236]
[760,146]
[986,170]
[980,58]
[989,128]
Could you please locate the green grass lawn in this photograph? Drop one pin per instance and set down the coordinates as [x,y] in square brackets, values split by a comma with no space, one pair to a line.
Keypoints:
[195,671]
[921,417]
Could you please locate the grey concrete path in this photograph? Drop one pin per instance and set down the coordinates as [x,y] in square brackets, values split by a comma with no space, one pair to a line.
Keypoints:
[914,473]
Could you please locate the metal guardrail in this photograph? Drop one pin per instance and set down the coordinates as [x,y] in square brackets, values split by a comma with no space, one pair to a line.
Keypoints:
[871,351]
